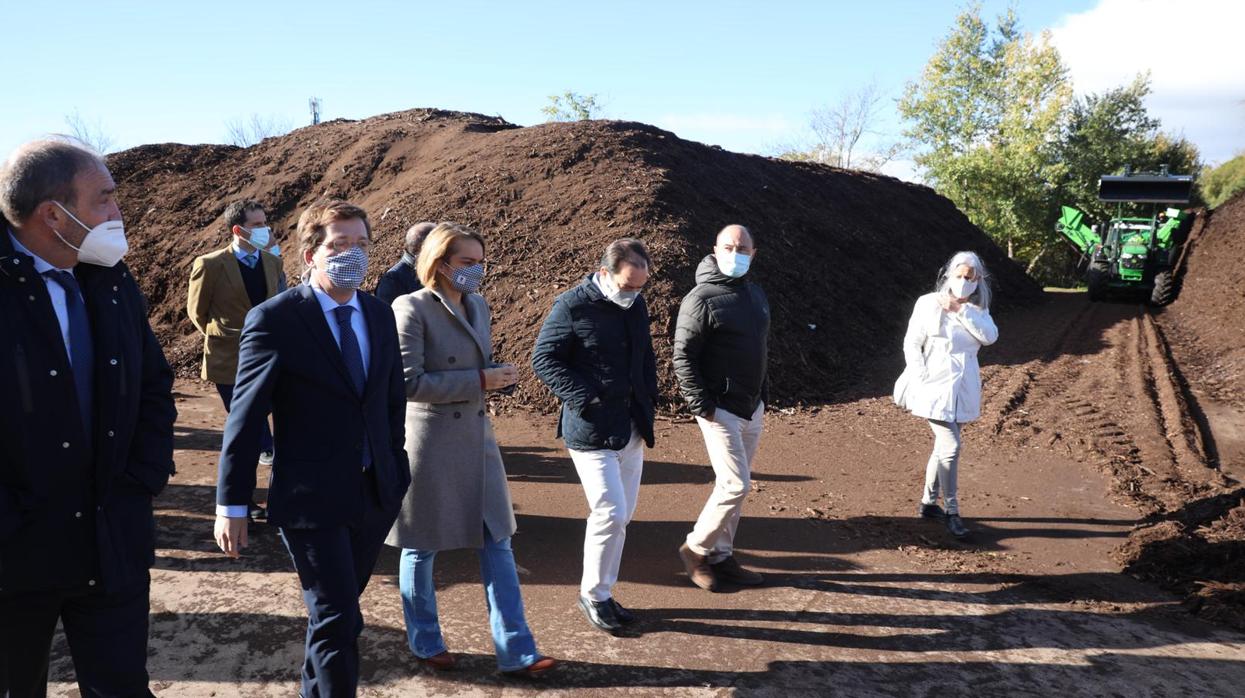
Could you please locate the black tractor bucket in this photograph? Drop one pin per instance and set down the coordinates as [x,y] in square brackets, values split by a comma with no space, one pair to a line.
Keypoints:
[1146,188]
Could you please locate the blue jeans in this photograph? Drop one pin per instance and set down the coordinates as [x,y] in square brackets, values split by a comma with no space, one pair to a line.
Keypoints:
[226,396]
[516,649]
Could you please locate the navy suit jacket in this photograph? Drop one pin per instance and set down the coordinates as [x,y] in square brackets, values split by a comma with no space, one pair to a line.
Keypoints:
[76,509]
[398,281]
[290,365]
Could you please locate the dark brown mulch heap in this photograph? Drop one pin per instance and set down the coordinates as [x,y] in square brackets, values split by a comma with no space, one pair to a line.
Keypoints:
[1199,551]
[843,254]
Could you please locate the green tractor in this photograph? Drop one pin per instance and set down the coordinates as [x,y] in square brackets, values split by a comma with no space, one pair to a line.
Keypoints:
[1133,255]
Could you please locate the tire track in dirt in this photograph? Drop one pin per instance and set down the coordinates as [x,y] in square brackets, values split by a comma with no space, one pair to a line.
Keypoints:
[1103,387]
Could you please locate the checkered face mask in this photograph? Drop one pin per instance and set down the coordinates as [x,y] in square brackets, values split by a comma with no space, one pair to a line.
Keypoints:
[347,269]
[467,279]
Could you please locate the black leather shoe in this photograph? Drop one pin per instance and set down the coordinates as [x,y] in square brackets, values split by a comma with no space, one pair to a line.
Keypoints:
[956,526]
[600,614]
[931,511]
[623,615]
[257,513]
[729,570]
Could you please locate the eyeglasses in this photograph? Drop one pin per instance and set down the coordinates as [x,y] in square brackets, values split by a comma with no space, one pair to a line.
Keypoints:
[340,245]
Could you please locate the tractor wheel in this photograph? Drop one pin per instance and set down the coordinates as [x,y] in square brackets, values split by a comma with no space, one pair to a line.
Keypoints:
[1096,283]
[1164,288]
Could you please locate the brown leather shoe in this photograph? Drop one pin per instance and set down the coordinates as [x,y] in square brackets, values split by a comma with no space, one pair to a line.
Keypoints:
[536,669]
[697,568]
[441,662]
[729,570]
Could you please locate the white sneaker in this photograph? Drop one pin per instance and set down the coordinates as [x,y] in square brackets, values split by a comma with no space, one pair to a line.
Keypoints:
[265,458]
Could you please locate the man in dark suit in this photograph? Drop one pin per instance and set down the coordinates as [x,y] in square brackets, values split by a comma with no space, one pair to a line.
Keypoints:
[224,286]
[324,360]
[86,428]
[401,278]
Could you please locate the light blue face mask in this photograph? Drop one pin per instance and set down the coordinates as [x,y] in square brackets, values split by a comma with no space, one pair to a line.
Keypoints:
[733,264]
[260,237]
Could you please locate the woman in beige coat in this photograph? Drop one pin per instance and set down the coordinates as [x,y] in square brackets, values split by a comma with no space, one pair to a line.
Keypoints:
[458,496]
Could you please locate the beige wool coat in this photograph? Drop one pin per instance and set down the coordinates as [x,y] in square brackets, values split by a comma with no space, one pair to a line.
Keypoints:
[458,481]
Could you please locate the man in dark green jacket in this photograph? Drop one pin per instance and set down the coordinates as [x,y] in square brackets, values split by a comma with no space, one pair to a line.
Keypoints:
[720,357]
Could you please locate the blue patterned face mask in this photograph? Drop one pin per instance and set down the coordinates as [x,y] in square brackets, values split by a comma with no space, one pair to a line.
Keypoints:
[347,269]
[467,279]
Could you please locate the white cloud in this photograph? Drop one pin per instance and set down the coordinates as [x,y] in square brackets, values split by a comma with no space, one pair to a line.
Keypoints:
[902,169]
[1191,49]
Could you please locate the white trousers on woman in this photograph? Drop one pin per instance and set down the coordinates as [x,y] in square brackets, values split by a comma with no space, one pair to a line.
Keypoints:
[611,481]
[940,471]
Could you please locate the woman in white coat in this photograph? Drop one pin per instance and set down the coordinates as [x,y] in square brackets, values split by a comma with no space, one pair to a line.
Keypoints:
[942,382]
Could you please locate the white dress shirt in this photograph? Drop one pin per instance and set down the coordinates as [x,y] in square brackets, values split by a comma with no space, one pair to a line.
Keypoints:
[55,290]
[358,324]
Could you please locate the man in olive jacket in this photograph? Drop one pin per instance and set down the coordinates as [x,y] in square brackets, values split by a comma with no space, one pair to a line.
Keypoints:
[720,357]
[224,286]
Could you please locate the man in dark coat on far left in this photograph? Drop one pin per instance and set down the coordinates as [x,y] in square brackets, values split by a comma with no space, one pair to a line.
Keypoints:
[86,435]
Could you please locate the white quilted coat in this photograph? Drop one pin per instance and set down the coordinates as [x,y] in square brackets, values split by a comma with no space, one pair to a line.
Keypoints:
[942,379]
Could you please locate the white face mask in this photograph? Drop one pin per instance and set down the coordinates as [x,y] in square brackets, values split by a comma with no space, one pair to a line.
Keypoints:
[104,245]
[961,287]
[617,296]
[260,237]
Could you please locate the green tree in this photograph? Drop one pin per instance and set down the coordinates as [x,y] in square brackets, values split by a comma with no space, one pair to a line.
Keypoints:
[1224,181]
[571,106]
[986,118]
[1001,135]
[1104,133]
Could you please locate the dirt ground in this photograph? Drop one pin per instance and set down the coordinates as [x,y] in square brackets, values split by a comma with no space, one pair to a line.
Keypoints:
[1080,445]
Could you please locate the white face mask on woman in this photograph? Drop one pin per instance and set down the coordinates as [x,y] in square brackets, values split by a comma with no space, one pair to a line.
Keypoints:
[104,245]
[961,287]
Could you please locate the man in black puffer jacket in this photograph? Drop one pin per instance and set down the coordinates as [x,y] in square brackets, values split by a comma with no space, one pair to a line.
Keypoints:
[596,354]
[720,357]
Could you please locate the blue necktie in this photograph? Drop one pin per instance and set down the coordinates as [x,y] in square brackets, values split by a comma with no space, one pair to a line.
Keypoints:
[81,355]
[353,357]
[250,260]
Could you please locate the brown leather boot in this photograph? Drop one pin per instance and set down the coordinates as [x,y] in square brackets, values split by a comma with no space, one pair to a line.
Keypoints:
[729,570]
[697,568]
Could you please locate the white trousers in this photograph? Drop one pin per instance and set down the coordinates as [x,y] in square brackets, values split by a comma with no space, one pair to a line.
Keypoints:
[732,444]
[611,481]
[941,469]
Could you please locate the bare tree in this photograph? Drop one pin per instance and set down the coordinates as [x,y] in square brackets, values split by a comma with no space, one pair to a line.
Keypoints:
[245,133]
[841,134]
[91,134]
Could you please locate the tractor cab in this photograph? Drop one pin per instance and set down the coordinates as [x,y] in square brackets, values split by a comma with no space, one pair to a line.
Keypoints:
[1132,253]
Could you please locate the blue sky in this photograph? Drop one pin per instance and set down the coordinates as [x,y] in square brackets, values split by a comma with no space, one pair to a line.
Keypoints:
[743,75]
